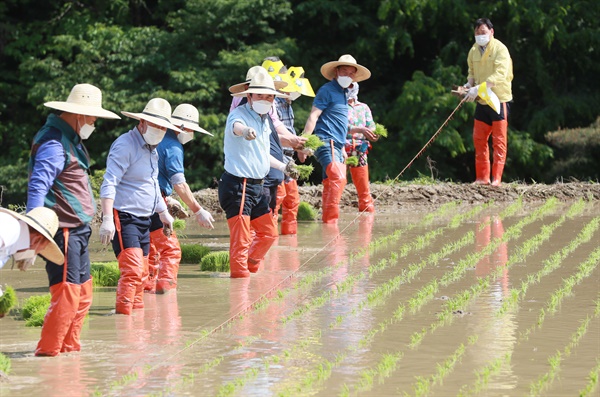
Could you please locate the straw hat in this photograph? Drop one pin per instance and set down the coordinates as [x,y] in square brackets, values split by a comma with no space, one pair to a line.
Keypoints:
[262,83]
[84,99]
[328,69]
[237,88]
[157,111]
[298,83]
[188,115]
[45,221]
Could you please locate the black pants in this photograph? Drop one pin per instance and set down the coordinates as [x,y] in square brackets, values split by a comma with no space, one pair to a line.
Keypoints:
[230,197]
[77,259]
[135,233]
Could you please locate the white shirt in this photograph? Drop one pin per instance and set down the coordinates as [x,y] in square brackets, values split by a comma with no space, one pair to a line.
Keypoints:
[14,236]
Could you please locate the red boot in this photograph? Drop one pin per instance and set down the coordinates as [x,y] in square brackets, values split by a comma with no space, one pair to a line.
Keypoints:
[499,138]
[138,301]
[239,242]
[71,342]
[131,263]
[291,201]
[265,227]
[336,176]
[481,134]
[360,177]
[170,257]
[57,322]
[153,263]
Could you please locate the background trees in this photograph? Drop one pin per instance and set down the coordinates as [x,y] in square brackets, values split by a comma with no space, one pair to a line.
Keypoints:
[191,51]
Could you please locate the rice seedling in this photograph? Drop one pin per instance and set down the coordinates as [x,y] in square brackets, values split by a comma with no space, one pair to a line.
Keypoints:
[193,253]
[179,224]
[313,142]
[105,274]
[7,301]
[306,212]
[35,304]
[592,384]
[352,161]
[5,364]
[305,171]
[217,261]
[380,130]
[484,374]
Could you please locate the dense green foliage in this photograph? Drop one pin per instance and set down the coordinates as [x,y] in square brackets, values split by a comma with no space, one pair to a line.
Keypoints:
[192,50]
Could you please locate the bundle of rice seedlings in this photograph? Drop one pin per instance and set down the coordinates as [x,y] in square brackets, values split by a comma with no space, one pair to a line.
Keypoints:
[313,142]
[352,161]
[7,301]
[179,224]
[5,364]
[105,274]
[193,253]
[306,212]
[305,171]
[380,130]
[34,310]
[217,261]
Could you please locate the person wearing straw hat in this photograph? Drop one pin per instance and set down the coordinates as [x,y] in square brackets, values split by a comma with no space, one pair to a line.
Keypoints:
[489,81]
[24,236]
[130,194]
[58,178]
[165,252]
[328,119]
[246,147]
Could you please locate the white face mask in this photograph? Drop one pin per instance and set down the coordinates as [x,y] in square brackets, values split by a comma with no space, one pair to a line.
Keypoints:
[184,137]
[153,135]
[482,39]
[26,254]
[295,95]
[344,81]
[261,107]
[86,130]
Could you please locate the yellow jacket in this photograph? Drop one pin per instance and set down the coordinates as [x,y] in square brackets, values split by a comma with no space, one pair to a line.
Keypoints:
[494,66]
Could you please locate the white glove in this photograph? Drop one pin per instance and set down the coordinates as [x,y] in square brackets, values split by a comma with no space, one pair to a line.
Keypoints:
[107,229]
[24,264]
[249,134]
[467,85]
[24,259]
[472,93]
[204,218]
[167,221]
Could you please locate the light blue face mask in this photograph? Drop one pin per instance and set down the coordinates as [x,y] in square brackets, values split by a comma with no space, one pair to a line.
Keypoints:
[344,81]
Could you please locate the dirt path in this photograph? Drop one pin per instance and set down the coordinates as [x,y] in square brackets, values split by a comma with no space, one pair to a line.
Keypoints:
[407,196]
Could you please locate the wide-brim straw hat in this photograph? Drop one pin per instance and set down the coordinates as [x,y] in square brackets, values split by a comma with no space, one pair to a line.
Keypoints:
[188,116]
[262,83]
[328,69]
[239,87]
[84,99]
[45,221]
[297,82]
[157,111]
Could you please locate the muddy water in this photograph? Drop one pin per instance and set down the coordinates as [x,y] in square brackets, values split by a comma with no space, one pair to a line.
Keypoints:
[315,334]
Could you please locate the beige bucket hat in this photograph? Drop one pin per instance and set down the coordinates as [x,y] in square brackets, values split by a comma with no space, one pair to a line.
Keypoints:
[328,69]
[84,99]
[157,111]
[45,221]
[188,116]
[237,88]
[262,83]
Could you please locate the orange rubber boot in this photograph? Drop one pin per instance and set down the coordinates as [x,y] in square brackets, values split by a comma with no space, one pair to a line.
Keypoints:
[138,300]
[499,138]
[289,214]
[57,322]
[71,342]
[360,177]
[481,134]
[131,263]
[336,175]
[153,263]
[265,227]
[239,243]
[170,257]
[280,197]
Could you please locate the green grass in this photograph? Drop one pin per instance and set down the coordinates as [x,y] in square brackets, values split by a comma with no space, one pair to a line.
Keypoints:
[7,301]
[305,171]
[193,253]
[313,142]
[34,310]
[4,364]
[105,274]
[217,261]
[306,212]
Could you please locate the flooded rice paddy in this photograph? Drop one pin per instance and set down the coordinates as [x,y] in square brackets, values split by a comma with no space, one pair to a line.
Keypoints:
[488,300]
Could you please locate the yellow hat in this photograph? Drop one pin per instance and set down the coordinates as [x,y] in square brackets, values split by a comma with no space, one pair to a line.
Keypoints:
[297,82]
[273,67]
[490,98]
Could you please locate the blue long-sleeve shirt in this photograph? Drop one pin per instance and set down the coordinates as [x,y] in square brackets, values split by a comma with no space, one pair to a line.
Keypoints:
[50,162]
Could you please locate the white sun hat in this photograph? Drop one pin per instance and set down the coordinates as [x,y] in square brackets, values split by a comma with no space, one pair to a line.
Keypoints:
[262,83]
[328,69]
[157,111]
[84,99]
[237,88]
[45,221]
[188,116]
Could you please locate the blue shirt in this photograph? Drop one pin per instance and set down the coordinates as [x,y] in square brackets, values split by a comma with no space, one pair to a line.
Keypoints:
[332,124]
[49,163]
[131,176]
[170,163]
[247,159]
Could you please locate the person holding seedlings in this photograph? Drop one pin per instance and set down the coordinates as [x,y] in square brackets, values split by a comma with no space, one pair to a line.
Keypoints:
[358,144]
[328,119]
[58,179]
[246,147]
[489,79]
[165,252]
[130,194]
